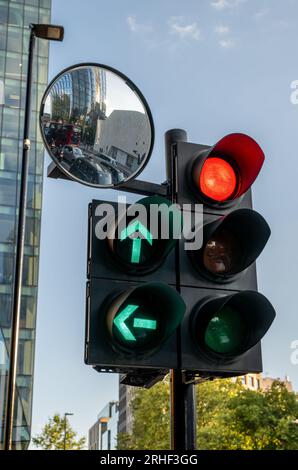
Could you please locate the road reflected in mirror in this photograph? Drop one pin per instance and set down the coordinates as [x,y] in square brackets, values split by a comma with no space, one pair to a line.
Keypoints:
[96,126]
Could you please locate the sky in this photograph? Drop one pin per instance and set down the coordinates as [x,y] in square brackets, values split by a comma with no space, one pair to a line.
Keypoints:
[210,67]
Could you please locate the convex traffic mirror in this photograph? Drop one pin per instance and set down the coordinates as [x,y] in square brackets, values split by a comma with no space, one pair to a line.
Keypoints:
[96,125]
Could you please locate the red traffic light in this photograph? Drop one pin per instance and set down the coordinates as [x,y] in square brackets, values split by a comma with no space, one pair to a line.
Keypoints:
[227,170]
[218,179]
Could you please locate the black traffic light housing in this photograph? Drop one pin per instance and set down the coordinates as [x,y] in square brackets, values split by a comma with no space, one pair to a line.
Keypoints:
[113,338]
[242,158]
[230,245]
[218,281]
[137,323]
[132,311]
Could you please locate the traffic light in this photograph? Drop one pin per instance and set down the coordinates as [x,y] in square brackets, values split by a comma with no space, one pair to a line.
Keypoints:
[150,307]
[220,176]
[145,252]
[133,308]
[225,317]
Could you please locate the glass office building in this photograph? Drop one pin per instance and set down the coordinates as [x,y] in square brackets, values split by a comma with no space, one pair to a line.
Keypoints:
[15,17]
[103,434]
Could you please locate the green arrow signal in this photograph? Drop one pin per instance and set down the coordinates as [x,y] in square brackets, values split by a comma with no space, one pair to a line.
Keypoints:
[133,228]
[143,323]
[119,322]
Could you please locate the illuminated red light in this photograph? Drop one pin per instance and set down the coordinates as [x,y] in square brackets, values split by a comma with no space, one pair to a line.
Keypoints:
[218,180]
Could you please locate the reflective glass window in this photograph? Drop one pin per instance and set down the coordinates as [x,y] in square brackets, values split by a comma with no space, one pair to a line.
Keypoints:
[28,309]
[44,16]
[7,191]
[7,228]
[14,39]
[32,231]
[12,90]
[33,125]
[32,2]
[9,155]
[30,15]
[15,16]
[6,268]
[34,195]
[3,31]
[45,3]
[26,36]
[3,11]
[43,48]
[10,125]
[30,271]
[32,158]
[39,158]
[2,63]
[42,70]
[5,310]
[16,66]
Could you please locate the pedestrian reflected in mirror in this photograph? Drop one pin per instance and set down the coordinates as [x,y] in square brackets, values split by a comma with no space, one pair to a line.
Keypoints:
[96,125]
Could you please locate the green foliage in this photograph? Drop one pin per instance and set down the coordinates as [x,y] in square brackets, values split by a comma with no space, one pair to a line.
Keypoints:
[151,412]
[52,436]
[246,419]
[229,417]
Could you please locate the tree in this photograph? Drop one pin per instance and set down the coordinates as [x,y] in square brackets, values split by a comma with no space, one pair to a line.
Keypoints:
[53,433]
[151,414]
[229,417]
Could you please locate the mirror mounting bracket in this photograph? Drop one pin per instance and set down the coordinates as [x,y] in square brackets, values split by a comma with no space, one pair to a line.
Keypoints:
[134,186]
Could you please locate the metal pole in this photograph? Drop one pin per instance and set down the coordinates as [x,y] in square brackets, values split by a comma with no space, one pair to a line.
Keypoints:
[18,271]
[182,397]
[190,405]
[64,446]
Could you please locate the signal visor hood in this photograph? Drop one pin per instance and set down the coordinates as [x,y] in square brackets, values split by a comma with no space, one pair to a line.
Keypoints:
[247,155]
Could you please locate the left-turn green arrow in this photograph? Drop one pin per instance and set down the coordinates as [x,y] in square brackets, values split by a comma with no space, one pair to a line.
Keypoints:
[120,322]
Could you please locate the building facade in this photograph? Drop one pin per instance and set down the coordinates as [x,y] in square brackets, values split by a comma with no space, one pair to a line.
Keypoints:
[15,17]
[258,382]
[103,434]
[126,395]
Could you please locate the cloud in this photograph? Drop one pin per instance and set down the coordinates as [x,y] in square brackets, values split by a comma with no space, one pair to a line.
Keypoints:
[221,29]
[223,4]
[183,30]
[261,13]
[226,43]
[137,27]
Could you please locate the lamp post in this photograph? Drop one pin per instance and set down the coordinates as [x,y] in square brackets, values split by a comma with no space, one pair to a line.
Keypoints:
[65,424]
[51,33]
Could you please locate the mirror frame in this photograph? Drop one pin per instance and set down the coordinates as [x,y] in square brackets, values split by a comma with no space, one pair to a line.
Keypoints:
[134,88]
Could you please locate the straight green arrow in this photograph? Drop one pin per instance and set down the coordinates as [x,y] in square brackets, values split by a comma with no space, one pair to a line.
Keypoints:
[131,229]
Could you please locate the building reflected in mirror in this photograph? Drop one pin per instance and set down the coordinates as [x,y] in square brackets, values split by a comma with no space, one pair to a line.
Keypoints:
[95,126]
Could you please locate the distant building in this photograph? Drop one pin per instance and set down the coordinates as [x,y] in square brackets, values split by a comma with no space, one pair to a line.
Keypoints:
[268,381]
[257,382]
[126,394]
[103,433]
[124,136]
